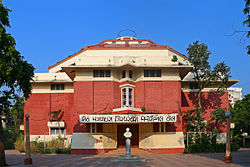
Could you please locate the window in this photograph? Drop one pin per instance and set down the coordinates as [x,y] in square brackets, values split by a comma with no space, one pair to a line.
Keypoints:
[101,73]
[124,74]
[57,87]
[194,86]
[56,131]
[152,73]
[130,74]
[127,99]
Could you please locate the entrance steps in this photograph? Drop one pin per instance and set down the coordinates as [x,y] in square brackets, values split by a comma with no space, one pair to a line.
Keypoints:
[121,151]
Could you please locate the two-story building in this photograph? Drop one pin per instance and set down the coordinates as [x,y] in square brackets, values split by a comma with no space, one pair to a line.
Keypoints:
[103,89]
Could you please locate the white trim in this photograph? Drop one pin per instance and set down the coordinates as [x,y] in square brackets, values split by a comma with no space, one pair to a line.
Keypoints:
[126,108]
[126,88]
[126,85]
[56,124]
[197,90]
[59,131]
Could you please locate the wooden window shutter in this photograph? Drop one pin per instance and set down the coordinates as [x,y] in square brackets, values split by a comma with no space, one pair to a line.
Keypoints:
[156,127]
[99,127]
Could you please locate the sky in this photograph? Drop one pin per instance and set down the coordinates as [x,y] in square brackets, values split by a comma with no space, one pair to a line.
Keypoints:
[48,31]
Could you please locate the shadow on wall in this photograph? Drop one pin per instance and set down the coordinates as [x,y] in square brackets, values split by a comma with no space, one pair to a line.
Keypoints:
[184,102]
[81,127]
[209,100]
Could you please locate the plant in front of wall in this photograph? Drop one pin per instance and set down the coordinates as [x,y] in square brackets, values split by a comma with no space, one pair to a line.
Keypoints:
[57,114]
[143,109]
[174,59]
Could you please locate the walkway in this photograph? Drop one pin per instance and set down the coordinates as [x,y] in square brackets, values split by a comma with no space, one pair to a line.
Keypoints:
[241,158]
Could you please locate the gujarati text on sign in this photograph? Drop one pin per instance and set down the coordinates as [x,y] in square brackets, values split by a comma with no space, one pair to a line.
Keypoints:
[127,118]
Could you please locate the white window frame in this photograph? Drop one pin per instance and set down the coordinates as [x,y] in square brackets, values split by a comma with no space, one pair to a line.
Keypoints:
[126,88]
[55,87]
[57,131]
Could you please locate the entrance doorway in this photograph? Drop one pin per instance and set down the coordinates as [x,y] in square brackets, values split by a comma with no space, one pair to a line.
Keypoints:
[121,129]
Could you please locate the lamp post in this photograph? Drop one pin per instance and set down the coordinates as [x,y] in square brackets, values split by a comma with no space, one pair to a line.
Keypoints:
[27,159]
[228,157]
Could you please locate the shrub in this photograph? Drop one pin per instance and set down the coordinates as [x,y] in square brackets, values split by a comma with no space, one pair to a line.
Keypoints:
[201,148]
[53,146]
[19,145]
[9,138]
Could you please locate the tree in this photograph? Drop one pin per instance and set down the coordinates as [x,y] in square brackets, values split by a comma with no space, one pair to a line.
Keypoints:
[17,113]
[241,115]
[217,118]
[247,21]
[15,72]
[58,116]
[203,75]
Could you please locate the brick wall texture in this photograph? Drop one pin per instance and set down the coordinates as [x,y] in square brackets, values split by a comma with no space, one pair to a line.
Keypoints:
[99,97]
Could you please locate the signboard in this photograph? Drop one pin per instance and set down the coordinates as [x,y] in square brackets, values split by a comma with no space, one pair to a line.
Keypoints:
[127,118]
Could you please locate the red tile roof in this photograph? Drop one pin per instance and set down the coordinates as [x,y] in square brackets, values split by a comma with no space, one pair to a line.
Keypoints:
[105,45]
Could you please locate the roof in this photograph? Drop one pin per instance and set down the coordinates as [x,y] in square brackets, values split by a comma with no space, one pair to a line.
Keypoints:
[116,44]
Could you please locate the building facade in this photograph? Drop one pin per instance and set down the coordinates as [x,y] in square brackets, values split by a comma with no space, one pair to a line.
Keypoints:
[105,88]
[234,94]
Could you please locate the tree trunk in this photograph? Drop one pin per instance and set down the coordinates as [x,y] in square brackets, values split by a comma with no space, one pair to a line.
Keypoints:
[199,108]
[2,153]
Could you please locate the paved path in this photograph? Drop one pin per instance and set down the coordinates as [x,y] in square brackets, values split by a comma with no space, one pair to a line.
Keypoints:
[240,158]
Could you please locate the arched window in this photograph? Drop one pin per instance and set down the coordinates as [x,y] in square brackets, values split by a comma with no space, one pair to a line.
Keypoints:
[127,96]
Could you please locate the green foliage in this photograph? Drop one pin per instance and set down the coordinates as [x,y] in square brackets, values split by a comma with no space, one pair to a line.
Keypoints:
[55,114]
[206,142]
[222,73]
[206,148]
[247,13]
[15,72]
[53,146]
[236,138]
[194,121]
[9,138]
[203,75]
[17,113]
[143,109]
[217,118]
[174,59]
[241,115]
[198,55]
[246,22]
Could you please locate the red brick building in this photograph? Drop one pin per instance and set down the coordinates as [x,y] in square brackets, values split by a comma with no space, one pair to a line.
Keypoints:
[104,88]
